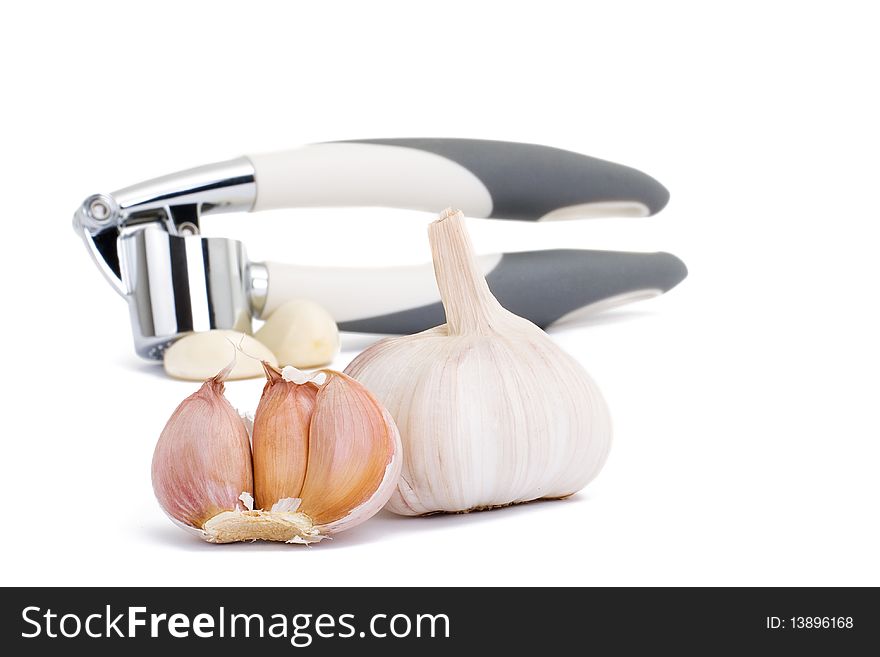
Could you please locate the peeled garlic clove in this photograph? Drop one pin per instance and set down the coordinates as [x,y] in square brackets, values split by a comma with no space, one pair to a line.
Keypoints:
[490,410]
[281,439]
[202,461]
[199,356]
[301,333]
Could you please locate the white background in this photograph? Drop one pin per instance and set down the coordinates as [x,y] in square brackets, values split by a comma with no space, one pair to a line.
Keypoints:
[745,401]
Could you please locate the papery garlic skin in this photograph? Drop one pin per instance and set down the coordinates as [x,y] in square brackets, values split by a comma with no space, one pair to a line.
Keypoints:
[281,438]
[323,438]
[354,454]
[491,412]
[202,461]
[326,457]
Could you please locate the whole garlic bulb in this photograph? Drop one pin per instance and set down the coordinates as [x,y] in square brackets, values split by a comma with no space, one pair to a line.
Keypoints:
[490,411]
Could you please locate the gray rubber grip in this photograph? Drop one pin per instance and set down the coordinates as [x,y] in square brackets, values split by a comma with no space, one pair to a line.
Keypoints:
[527,181]
[544,286]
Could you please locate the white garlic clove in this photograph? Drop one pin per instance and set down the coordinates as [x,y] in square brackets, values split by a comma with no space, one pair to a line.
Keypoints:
[199,356]
[301,333]
[202,462]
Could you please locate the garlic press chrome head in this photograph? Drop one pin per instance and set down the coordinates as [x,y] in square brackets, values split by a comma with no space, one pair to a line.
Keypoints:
[145,240]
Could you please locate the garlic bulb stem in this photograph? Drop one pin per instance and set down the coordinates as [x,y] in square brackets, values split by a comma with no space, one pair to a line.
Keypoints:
[468,302]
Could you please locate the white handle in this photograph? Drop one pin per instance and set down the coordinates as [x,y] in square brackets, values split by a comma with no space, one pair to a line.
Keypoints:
[505,180]
[353,293]
[357,174]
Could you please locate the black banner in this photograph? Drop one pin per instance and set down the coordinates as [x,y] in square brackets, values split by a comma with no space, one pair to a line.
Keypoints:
[106,621]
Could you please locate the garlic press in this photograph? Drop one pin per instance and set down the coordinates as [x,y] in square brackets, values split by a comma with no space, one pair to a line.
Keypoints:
[145,238]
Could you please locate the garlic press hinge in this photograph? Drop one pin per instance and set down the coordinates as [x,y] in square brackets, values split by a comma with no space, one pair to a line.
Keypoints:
[174,202]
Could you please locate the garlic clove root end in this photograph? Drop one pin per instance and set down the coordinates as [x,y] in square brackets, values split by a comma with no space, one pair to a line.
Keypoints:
[236,526]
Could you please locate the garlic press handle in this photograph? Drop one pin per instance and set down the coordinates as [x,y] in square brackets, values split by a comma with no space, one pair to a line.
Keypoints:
[482,178]
[542,286]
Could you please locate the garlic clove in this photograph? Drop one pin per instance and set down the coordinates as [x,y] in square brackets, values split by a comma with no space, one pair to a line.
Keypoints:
[202,461]
[325,458]
[199,356]
[281,438]
[301,333]
[353,462]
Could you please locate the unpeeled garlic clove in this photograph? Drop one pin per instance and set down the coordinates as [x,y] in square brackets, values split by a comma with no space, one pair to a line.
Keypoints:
[301,333]
[326,457]
[202,461]
[198,356]
[353,463]
[324,439]
[281,438]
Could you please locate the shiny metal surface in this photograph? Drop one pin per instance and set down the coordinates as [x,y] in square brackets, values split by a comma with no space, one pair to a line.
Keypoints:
[97,212]
[258,286]
[175,201]
[176,284]
[220,187]
[144,240]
